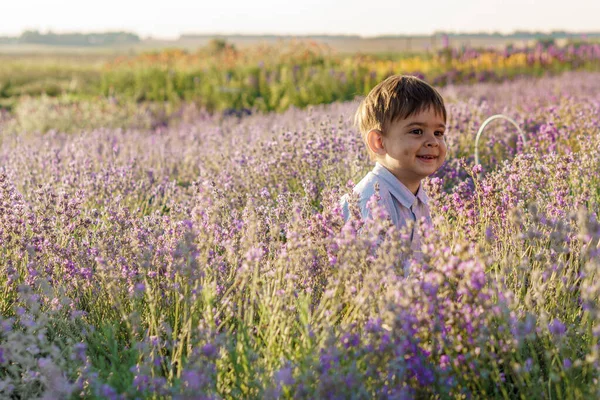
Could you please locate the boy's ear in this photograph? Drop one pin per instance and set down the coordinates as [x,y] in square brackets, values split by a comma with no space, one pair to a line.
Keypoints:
[375,142]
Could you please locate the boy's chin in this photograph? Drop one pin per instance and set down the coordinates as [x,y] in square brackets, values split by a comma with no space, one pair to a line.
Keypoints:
[427,172]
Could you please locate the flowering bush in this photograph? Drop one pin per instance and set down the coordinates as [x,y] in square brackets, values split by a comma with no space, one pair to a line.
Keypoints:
[210,259]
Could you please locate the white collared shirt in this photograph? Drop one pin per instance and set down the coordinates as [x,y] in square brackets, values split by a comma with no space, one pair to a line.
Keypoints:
[401,204]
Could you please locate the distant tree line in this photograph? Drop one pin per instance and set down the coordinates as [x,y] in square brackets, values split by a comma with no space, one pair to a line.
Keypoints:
[514,35]
[115,38]
[72,39]
[523,35]
[194,36]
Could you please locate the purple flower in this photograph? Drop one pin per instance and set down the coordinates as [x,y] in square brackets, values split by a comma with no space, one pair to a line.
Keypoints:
[254,254]
[79,351]
[141,382]
[528,365]
[444,362]
[7,325]
[192,379]
[478,280]
[154,340]
[209,350]
[351,340]
[264,192]
[108,392]
[557,328]
[373,325]
[284,376]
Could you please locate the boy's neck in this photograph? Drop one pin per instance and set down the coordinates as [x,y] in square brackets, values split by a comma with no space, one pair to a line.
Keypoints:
[411,184]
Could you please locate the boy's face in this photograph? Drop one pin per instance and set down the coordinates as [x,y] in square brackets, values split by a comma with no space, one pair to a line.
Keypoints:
[415,147]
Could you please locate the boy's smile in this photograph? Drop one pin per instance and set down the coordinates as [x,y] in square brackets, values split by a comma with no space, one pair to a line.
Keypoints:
[414,148]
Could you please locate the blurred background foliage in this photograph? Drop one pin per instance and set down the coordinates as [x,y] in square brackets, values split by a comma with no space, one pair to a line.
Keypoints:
[82,91]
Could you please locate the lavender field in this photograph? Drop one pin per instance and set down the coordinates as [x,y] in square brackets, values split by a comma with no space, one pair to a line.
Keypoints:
[208,258]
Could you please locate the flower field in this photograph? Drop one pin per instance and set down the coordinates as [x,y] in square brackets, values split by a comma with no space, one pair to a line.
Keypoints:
[208,258]
[273,78]
[220,77]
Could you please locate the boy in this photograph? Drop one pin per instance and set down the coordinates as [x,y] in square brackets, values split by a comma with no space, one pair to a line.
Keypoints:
[402,122]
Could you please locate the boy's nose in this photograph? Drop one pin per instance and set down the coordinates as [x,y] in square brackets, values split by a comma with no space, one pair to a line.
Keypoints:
[431,140]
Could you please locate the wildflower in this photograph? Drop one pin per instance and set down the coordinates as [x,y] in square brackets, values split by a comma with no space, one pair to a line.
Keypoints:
[350,340]
[444,362]
[209,350]
[79,351]
[139,287]
[192,379]
[557,328]
[154,340]
[254,254]
[284,376]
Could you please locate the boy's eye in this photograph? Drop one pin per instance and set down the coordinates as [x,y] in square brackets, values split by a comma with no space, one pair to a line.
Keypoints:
[417,131]
[439,133]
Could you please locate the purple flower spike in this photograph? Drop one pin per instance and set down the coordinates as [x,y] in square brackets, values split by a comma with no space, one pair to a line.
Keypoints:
[557,328]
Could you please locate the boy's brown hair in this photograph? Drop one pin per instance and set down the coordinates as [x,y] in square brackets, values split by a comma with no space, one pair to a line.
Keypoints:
[397,97]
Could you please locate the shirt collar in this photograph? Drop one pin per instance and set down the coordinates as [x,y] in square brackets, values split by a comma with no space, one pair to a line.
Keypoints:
[397,188]
[421,195]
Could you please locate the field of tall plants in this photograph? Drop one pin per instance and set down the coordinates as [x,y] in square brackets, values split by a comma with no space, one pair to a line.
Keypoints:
[207,257]
[222,78]
[276,77]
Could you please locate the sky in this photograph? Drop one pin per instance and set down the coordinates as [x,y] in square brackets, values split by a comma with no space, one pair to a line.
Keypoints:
[169,19]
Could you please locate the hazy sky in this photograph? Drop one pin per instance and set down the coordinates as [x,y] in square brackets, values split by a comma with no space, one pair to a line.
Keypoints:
[365,17]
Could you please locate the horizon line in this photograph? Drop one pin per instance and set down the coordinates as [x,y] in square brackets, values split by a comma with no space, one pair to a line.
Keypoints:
[308,35]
